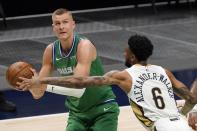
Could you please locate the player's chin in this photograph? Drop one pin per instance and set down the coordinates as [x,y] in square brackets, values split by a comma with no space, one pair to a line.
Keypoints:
[63,36]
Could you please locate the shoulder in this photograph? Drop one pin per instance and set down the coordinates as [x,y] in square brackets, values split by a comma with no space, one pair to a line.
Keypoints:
[85,43]
[122,75]
[169,73]
[86,49]
[125,74]
[48,50]
[122,79]
[49,47]
[159,69]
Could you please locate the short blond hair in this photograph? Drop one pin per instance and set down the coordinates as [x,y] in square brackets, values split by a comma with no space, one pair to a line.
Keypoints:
[61,11]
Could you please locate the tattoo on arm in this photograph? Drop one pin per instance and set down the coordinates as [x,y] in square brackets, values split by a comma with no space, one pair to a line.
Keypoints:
[77,82]
[184,93]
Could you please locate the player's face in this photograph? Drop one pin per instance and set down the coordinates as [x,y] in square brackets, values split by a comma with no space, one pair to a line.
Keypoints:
[63,25]
[127,54]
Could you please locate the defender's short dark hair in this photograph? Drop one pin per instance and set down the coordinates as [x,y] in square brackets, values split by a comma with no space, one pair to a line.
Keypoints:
[141,46]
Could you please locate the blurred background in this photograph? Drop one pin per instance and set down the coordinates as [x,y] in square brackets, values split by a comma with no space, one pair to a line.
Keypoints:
[25,31]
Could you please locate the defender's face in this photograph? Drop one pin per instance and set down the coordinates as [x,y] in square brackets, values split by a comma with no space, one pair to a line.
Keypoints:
[127,54]
[63,25]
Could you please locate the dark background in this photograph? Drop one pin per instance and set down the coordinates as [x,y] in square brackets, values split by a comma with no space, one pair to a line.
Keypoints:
[29,7]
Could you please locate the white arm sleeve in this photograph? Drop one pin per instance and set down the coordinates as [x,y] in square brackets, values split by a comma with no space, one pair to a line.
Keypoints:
[65,91]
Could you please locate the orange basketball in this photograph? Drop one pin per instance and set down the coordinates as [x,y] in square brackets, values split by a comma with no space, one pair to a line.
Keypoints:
[18,69]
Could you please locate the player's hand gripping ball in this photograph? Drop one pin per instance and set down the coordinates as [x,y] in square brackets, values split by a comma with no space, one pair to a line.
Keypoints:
[16,70]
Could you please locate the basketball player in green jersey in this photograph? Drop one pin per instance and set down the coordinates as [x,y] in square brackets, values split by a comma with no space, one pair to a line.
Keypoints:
[73,54]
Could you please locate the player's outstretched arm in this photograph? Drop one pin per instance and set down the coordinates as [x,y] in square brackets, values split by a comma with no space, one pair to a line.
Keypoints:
[78,81]
[183,92]
[110,78]
[120,78]
[67,81]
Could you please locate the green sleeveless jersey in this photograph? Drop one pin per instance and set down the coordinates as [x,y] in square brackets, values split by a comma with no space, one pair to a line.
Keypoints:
[65,65]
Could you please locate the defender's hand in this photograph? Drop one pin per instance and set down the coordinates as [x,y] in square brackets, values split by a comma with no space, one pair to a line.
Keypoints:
[27,84]
[192,120]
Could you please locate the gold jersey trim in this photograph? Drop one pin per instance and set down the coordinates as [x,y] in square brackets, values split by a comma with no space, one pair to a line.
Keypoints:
[139,113]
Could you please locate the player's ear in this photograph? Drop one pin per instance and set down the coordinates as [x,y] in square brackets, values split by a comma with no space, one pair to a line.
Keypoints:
[73,23]
[133,58]
[53,27]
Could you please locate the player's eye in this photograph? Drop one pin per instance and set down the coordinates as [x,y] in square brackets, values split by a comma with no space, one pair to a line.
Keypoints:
[57,24]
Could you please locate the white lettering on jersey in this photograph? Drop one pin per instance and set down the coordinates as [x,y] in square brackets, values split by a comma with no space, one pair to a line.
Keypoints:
[65,71]
[150,76]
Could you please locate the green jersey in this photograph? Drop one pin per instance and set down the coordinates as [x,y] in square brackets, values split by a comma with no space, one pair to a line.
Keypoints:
[65,65]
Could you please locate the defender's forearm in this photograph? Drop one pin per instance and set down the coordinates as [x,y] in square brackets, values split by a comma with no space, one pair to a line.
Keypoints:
[187,107]
[194,91]
[76,82]
[184,93]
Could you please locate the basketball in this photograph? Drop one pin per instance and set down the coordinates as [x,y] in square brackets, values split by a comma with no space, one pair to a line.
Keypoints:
[18,69]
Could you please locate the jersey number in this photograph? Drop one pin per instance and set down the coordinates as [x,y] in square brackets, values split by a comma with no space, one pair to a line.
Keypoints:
[158,99]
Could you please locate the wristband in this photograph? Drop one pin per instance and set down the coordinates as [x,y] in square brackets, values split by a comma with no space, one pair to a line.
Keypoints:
[65,91]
